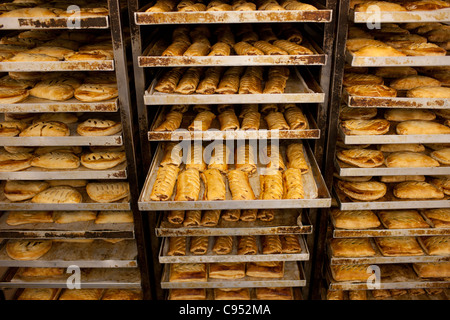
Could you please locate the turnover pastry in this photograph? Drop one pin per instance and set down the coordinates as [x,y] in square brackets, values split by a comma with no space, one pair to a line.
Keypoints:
[13,95]
[443,156]
[370,6]
[102,160]
[91,92]
[73,216]
[198,49]
[276,121]
[399,246]
[16,218]
[98,127]
[363,191]
[296,118]
[229,83]
[46,129]
[114,217]
[362,158]
[164,184]
[432,270]
[176,216]
[239,185]
[52,89]
[56,160]
[214,185]
[17,190]
[351,247]
[355,219]
[352,79]
[443,184]
[414,81]
[421,127]
[410,160]
[61,194]
[271,244]
[429,92]
[227,270]
[232,294]
[11,128]
[223,245]
[210,218]
[365,127]
[106,192]
[228,120]
[423,49]
[439,217]
[231,215]
[290,243]
[38,294]
[402,147]
[426,5]
[15,161]
[402,219]
[27,249]
[188,185]
[371,90]
[408,114]
[188,272]
[173,154]
[417,190]
[350,272]
[244,48]
[436,245]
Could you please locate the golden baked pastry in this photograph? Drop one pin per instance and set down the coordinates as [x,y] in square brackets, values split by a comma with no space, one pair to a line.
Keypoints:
[408,114]
[276,121]
[13,95]
[223,245]
[350,272]
[436,245]
[351,247]
[271,185]
[228,120]
[227,270]
[399,246]
[114,217]
[432,270]
[15,161]
[426,5]
[188,272]
[46,129]
[106,192]
[395,72]
[423,49]
[365,127]
[231,215]
[356,44]
[176,216]
[38,294]
[18,190]
[443,184]
[195,158]
[439,217]
[73,216]
[292,48]
[232,294]
[370,6]
[188,185]
[421,127]
[187,294]
[362,158]
[270,269]
[31,272]
[296,157]
[210,218]
[229,82]
[64,117]
[357,295]
[402,147]
[379,51]
[352,79]
[214,185]
[122,294]
[402,219]
[290,243]
[56,160]
[98,127]
[61,194]
[199,245]
[81,294]
[410,160]
[248,215]
[429,92]
[274,159]
[439,34]
[417,190]
[211,79]
[271,244]
[363,191]
[91,92]
[296,118]
[414,81]
[192,218]
[247,245]
[219,158]
[371,90]
[23,249]
[166,177]
[293,184]
[16,218]
[279,293]
[355,219]
[169,80]
[381,294]
[173,154]
[399,41]
[102,160]
[335,295]
[189,81]
[245,158]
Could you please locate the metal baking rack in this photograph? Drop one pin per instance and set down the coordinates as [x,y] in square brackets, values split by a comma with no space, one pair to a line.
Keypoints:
[300,88]
[96,254]
[18,23]
[410,61]
[288,221]
[210,256]
[444,295]
[442,15]
[293,277]
[44,66]
[316,194]
[116,278]
[215,133]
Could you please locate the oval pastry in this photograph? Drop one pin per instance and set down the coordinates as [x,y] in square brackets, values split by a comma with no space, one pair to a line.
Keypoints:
[27,249]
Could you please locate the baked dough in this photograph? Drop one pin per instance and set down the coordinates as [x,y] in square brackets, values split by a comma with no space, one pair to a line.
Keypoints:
[14,161]
[245,158]
[402,147]
[410,160]
[164,184]
[248,215]
[371,90]
[31,272]
[23,249]
[88,92]
[106,192]
[417,190]
[195,158]
[187,294]
[270,269]
[355,219]
[38,294]
[279,293]
[102,160]
[231,215]
[429,92]
[228,120]
[247,245]
[266,214]
[98,127]
[426,5]
[189,81]
[177,246]
[351,247]
[350,272]
[122,294]
[46,129]
[232,294]
[219,158]
[188,185]
[432,270]
[439,217]
[399,246]
[192,218]
[363,191]
[395,72]
[223,245]
[436,245]
[73,216]
[335,295]
[81,294]
[296,157]
[423,49]
[361,158]
[370,6]
[352,79]
[239,185]
[199,245]
[214,185]
[16,218]
[114,217]
[414,81]
[52,89]
[168,81]
[13,95]
[357,295]
[175,216]
[17,190]
[173,154]
[271,244]
[408,114]
[56,160]
[443,156]
[271,185]
[365,127]
[227,270]
[61,194]
[210,218]
[274,159]
[188,272]
[402,219]
[293,184]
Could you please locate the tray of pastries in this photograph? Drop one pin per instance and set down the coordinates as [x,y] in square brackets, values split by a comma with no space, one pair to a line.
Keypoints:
[390,223]
[73,224]
[399,45]
[185,176]
[234,222]
[56,50]
[228,121]
[408,12]
[36,277]
[382,250]
[371,193]
[73,195]
[397,87]
[233,275]
[62,253]
[248,248]
[78,294]
[226,45]
[277,293]
[233,85]
[169,11]
[391,276]
[393,160]
[389,294]
[50,15]
[59,129]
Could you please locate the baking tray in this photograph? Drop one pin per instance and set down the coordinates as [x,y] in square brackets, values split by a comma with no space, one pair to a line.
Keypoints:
[91,65]
[288,221]
[388,202]
[14,23]
[210,256]
[316,193]
[410,281]
[35,173]
[86,204]
[297,294]
[393,102]
[215,133]
[300,88]
[318,58]
[98,254]
[378,258]
[145,18]
[392,137]
[383,231]
[442,15]
[33,104]
[442,296]
[293,277]
[75,230]
[411,61]
[116,278]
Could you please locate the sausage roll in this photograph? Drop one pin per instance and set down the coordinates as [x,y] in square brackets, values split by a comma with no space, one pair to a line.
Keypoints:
[192,218]
[175,216]
[210,218]
[240,185]
[251,121]
[228,120]
[166,178]
[247,245]
[244,48]
[292,48]
[271,244]
[173,154]
[220,157]
[248,215]
[177,246]
[176,49]
[202,121]
[169,80]
[179,108]
[296,118]
[271,186]
[225,35]
[274,158]
[268,48]
[171,122]
[189,81]
[246,158]
[199,245]
[279,71]
[290,244]
[201,107]
[248,108]
[275,85]
[214,184]
[276,121]
[265,214]
[198,49]
[220,49]
[244,6]
[222,107]
[250,84]
[188,185]
[231,215]
[229,83]
[267,108]
[195,158]
[223,245]
[293,184]
[296,157]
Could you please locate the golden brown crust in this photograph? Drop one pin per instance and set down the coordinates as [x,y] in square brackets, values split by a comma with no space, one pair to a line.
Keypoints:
[365,127]
[293,184]
[247,245]
[352,247]
[192,218]
[402,219]
[210,218]
[38,294]
[214,185]
[364,191]
[269,269]
[177,246]
[432,270]
[61,194]
[122,294]
[417,190]
[81,294]
[355,219]
[188,185]
[227,270]
[399,246]
[362,158]
[274,293]
[239,185]
[27,249]
[187,294]
[106,192]
[410,160]
[350,272]
[188,272]
[436,245]
[223,245]
[232,294]
[166,177]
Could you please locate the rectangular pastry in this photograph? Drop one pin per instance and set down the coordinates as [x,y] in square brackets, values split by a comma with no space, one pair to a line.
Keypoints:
[199,245]
[402,219]
[73,216]
[210,218]
[227,270]
[173,154]
[177,246]
[436,245]
[271,269]
[350,272]
[164,184]
[293,184]
[399,246]
[231,215]
[223,245]
[271,244]
[187,294]
[246,158]
[188,272]
[335,295]
[38,294]
[432,270]
[120,216]
[251,121]
[351,247]
[232,294]
[192,218]
[214,185]
[279,293]
[239,185]
[355,219]
[296,157]
[195,158]
[290,243]
[271,186]
[439,217]
[188,185]
[247,245]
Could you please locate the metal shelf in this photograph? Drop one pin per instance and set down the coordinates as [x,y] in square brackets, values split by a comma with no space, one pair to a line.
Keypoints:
[316,193]
[442,15]
[210,256]
[296,293]
[19,23]
[288,221]
[216,134]
[97,254]
[42,66]
[293,277]
[411,61]
[299,89]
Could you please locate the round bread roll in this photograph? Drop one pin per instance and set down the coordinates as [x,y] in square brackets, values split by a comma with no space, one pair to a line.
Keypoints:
[98,127]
